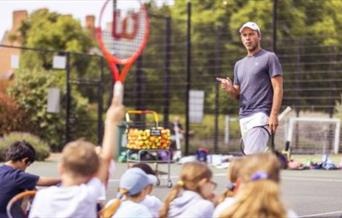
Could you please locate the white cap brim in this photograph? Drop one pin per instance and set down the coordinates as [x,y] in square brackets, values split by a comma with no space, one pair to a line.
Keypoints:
[152,179]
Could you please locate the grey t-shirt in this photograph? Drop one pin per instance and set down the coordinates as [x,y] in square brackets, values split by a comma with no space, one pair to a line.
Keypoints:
[253,74]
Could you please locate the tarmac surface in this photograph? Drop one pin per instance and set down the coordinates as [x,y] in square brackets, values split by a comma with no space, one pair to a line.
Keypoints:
[310,193]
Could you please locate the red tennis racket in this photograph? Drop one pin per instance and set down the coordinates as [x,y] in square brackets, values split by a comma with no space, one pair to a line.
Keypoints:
[122,33]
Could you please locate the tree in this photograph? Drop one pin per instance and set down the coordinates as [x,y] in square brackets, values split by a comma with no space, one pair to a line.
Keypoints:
[12,117]
[46,30]
[55,32]
[30,92]
[210,34]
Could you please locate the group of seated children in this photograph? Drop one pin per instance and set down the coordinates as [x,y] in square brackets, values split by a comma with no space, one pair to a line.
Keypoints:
[252,191]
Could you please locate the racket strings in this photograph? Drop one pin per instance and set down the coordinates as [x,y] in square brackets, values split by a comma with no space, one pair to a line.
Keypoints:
[123,47]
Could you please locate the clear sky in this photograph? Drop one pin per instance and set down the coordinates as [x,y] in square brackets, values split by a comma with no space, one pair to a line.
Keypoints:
[78,8]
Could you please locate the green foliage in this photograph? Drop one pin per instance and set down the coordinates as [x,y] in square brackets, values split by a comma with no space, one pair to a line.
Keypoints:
[296,19]
[41,147]
[204,137]
[56,32]
[52,31]
[297,25]
[229,105]
[329,25]
[30,92]
[12,117]
[257,11]
[209,123]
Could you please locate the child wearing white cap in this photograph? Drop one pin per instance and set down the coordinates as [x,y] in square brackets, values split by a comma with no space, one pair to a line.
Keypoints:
[132,190]
[151,202]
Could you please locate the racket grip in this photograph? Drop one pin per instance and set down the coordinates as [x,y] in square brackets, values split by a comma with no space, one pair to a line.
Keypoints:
[118,91]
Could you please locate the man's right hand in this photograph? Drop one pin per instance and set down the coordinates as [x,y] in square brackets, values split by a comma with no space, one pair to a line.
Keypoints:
[226,84]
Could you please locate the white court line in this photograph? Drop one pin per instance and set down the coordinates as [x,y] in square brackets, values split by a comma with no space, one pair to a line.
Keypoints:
[322,214]
[311,179]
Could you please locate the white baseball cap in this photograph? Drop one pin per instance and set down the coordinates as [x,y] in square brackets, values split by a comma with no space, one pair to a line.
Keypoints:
[135,180]
[250,25]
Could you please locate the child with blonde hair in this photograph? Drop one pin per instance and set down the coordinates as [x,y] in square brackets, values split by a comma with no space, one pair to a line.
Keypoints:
[258,187]
[192,195]
[84,175]
[227,197]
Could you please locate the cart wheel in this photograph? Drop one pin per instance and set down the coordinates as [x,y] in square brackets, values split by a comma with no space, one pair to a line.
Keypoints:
[158,182]
[169,184]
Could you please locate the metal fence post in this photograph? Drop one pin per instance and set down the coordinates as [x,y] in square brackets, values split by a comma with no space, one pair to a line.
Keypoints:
[167,58]
[68,99]
[100,90]
[274,26]
[188,79]
[138,84]
[217,68]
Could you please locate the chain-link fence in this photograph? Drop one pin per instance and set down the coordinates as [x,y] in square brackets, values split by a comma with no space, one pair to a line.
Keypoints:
[176,62]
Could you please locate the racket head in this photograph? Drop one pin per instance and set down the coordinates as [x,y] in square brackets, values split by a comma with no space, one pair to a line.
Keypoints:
[122,33]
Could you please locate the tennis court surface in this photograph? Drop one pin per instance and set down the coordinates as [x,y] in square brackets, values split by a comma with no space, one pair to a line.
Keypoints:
[310,193]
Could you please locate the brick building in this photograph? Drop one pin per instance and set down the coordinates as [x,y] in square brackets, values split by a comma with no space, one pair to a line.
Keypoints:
[11,37]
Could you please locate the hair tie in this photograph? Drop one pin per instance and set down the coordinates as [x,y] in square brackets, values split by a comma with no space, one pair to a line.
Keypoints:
[259,175]
[180,183]
[230,186]
[119,195]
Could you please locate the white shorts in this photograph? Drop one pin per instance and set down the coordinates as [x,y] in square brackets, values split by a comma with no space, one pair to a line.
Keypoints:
[254,136]
[256,140]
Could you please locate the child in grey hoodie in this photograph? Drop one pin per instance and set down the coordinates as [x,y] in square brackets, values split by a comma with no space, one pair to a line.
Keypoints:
[191,196]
